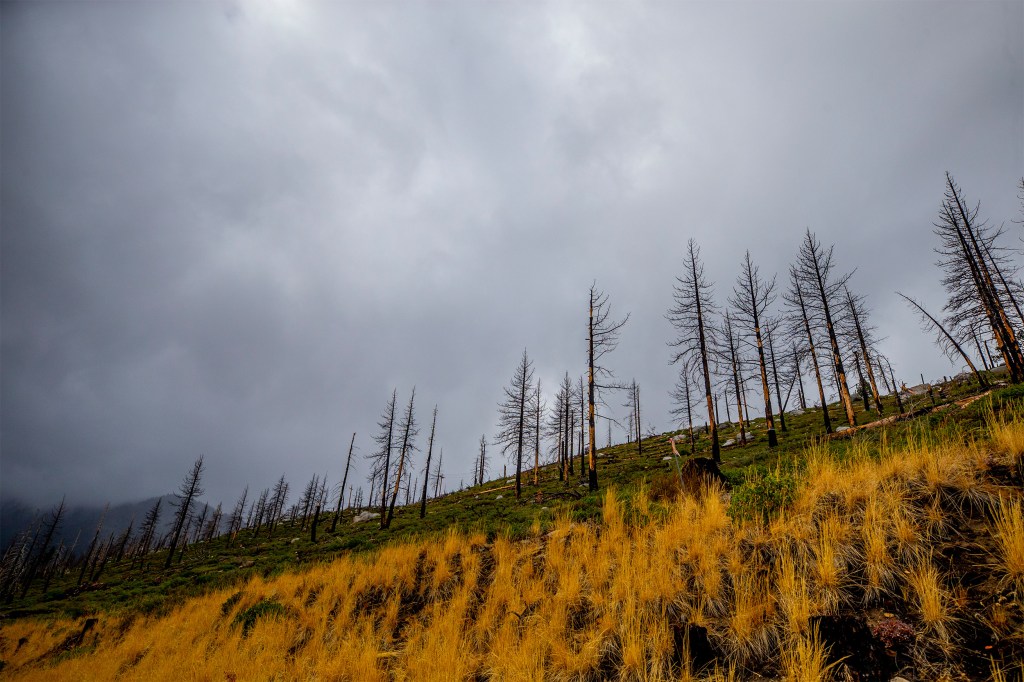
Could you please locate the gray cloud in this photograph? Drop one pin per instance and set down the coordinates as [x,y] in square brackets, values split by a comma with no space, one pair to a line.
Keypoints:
[233,229]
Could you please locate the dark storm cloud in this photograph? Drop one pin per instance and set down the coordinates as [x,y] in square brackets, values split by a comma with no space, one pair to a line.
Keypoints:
[233,229]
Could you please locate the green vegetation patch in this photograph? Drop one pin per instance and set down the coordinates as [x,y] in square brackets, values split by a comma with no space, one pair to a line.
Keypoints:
[765,493]
[264,608]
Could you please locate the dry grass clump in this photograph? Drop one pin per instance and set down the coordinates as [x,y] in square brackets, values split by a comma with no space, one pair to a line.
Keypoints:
[1009,534]
[587,601]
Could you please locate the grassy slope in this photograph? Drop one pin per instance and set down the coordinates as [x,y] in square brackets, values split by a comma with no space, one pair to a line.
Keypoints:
[207,567]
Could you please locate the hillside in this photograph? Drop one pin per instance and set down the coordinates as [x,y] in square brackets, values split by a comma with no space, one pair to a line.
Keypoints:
[902,546]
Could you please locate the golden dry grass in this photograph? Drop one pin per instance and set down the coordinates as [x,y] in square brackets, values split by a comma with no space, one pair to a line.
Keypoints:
[591,601]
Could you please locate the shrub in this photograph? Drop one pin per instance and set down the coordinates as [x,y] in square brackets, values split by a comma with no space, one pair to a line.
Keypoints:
[229,603]
[264,608]
[764,494]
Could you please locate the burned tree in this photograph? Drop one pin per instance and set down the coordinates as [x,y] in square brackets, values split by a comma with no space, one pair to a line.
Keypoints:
[862,336]
[481,465]
[409,431]
[426,469]
[728,337]
[344,482]
[949,345]
[974,300]
[147,531]
[275,505]
[602,338]
[43,554]
[381,459]
[775,380]
[237,516]
[691,315]
[515,416]
[561,425]
[682,399]
[187,493]
[538,410]
[438,476]
[814,269]
[800,321]
[633,405]
[751,298]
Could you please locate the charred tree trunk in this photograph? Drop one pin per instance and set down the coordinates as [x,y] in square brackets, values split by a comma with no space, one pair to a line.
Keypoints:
[344,482]
[426,470]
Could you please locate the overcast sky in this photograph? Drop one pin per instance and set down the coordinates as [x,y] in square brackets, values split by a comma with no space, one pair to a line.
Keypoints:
[233,229]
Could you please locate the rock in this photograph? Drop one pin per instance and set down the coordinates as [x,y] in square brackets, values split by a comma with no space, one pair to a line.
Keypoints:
[666,458]
[293,541]
[728,443]
[247,564]
[365,516]
[842,428]
[543,508]
[500,497]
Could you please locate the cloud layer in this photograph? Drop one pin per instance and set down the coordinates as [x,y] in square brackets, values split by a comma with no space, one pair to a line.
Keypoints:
[233,229]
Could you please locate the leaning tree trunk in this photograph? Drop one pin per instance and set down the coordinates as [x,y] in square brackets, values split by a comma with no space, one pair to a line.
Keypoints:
[949,337]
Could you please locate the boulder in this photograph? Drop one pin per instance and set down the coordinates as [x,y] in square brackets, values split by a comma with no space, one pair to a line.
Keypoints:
[365,516]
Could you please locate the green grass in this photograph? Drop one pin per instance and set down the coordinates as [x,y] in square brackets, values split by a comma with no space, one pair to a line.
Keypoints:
[218,564]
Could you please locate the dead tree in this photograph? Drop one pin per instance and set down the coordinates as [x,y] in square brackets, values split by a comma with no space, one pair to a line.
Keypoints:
[581,393]
[237,517]
[437,476]
[307,502]
[602,338]
[895,386]
[515,416]
[538,410]
[682,399]
[728,337]
[861,335]
[751,299]
[344,482]
[633,404]
[691,315]
[814,268]
[261,514]
[409,432]
[278,498]
[775,379]
[147,532]
[187,493]
[968,278]
[949,345]
[801,323]
[42,555]
[481,465]
[381,459]
[561,425]
[426,469]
